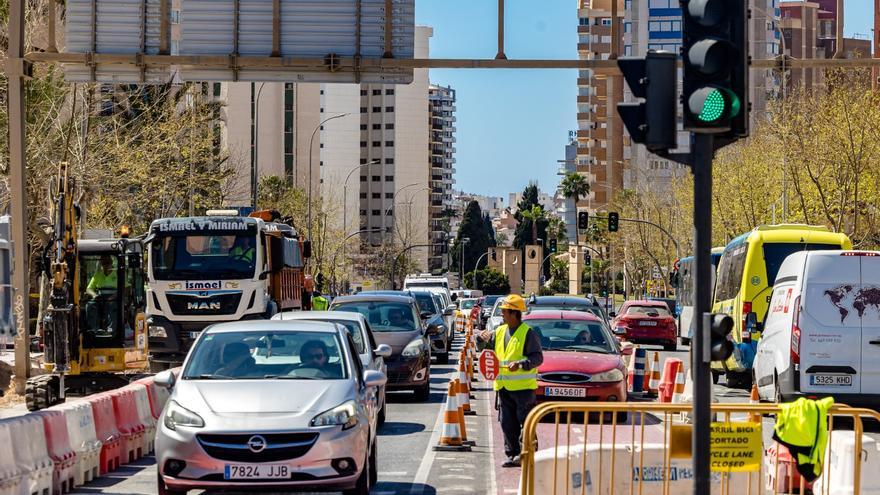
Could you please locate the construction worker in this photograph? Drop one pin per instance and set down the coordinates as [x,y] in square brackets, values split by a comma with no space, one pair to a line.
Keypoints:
[242,250]
[319,302]
[101,308]
[518,348]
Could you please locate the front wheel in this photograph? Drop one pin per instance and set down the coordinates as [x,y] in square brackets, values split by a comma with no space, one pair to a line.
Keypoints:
[715,377]
[374,466]
[362,486]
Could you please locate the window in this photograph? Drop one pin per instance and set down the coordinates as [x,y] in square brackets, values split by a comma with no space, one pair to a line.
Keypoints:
[390,212]
[377,127]
[389,178]
[363,195]
[389,195]
[389,126]
[389,109]
[376,213]
[363,161]
[216,89]
[730,272]
[606,21]
[363,127]
[363,109]
[363,178]
[389,161]
[377,109]
[377,195]
[389,143]
[363,92]
[377,92]
[377,144]
[377,178]
[363,144]
[363,213]
[175,17]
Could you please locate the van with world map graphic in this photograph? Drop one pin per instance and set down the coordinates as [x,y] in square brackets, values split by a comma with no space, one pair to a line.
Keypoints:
[822,330]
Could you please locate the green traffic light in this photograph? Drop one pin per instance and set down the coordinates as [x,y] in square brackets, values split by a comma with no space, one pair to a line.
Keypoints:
[713,107]
[712,104]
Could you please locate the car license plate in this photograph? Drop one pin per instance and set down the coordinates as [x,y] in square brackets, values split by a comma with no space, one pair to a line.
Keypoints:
[194,335]
[565,392]
[256,472]
[832,380]
[648,323]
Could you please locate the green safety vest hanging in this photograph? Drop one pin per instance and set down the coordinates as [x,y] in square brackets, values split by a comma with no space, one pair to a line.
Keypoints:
[513,351]
[802,426]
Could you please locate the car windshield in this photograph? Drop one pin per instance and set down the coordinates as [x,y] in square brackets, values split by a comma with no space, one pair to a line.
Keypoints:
[647,311]
[354,329]
[426,302]
[497,310]
[574,335]
[562,307]
[252,355]
[467,304]
[489,301]
[383,316]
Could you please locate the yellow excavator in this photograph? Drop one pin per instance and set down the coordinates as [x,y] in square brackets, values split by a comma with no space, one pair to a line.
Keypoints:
[94,329]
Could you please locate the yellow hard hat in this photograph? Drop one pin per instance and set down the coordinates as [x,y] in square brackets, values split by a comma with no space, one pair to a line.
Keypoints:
[514,302]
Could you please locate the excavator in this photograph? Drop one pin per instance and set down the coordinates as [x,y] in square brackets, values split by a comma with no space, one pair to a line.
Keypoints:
[94,328]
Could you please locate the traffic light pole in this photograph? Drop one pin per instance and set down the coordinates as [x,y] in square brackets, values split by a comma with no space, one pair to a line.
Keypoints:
[703,150]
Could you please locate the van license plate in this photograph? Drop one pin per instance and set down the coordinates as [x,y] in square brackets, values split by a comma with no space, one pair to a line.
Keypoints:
[256,472]
[565,392]
[831,380]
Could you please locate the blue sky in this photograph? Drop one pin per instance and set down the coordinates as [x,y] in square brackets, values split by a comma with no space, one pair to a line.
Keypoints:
[513,124]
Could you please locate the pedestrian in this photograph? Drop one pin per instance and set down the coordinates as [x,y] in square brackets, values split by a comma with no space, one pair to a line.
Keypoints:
[518,348]
[319,302]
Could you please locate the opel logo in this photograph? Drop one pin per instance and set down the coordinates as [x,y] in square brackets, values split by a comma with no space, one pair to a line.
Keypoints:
[256,443]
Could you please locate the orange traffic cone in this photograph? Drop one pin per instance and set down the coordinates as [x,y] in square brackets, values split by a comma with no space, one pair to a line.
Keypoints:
[450,435]
[754,398]
[654,375]
[462,426]
[678,390]
[464,390]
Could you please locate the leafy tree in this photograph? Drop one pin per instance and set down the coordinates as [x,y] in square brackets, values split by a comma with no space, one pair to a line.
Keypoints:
[575,186]
[559,275]
[490,230]
[534,215]
[490,281]
[527,233]
[474,229]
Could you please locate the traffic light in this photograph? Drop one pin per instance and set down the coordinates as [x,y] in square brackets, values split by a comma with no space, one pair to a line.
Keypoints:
[613,222]
[552,245]
[720,347]
[587,259]
[653,78]
[716,74]
[583,220]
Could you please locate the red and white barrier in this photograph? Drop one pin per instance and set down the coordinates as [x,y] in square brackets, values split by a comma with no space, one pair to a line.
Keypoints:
[83,439]
[129,424]
[156,401]
[145,415]
[108,433]
[32,454]
[10,473]
[58,444]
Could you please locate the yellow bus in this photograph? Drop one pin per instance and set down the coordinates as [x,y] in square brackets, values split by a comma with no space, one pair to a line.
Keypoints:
[744,281]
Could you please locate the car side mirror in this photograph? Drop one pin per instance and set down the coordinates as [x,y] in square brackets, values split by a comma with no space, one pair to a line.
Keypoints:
[626,349]
[751,320]
[425,315]
[373,378]
[435,329]
[165,379]
[448,312]
[383,350]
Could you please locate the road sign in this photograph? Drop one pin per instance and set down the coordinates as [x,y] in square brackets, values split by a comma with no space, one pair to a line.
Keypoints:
[489,364]
[735,447]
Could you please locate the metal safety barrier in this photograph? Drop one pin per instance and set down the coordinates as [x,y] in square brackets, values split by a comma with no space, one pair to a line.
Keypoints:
[645,448]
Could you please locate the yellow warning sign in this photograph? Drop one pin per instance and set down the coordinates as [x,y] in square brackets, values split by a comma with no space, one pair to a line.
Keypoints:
[736,447]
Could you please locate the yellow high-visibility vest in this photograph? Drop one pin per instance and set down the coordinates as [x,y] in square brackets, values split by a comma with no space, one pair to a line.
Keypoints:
[513,351]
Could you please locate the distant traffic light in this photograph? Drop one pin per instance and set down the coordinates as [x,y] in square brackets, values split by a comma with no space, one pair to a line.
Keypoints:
[613,222]
[720,347]
[587,259]
[552,245]
[715,56]
[583,220]
[653,78]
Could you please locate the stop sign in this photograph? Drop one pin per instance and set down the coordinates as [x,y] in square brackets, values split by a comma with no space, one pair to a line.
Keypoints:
[488,364]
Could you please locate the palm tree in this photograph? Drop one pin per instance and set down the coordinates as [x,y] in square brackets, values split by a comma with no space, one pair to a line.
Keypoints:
[575,186]
[534,215]
[556,228]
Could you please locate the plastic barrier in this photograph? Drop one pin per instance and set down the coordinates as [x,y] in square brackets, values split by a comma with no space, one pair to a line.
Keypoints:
[153,393]
[83,439]
[128,422]
[10,473]
[107,431]
[839,458]
[32,455]
[145,414]
[58,443]
[667,381]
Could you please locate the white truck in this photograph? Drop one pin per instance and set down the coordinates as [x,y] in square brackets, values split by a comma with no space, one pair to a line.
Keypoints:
[217,268]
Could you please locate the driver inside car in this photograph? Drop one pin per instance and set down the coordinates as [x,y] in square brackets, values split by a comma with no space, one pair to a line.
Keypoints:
[397,320]
[314,354]
[237,360]
[583,338]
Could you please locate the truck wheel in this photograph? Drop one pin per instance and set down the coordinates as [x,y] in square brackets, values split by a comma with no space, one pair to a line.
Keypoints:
[41,392]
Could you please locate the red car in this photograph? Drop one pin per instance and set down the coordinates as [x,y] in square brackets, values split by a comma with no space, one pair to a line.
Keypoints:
[646,322]
[582,360]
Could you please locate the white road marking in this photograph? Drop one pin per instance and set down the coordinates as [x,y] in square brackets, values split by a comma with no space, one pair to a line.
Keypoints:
[420,481]
[493,487]
[393,473]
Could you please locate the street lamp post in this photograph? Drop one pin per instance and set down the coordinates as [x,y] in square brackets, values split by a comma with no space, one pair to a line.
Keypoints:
[477,265]
[342,248]
[345,206]
[311,143]
[255,178]
[393,210]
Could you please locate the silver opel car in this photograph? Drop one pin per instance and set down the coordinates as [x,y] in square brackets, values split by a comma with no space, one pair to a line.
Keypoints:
[270,404]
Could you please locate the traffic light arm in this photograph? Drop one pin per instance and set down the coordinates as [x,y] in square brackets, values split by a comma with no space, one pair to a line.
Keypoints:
[648,222]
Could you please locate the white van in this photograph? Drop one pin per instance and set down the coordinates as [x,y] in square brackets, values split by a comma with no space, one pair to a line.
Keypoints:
[821,335]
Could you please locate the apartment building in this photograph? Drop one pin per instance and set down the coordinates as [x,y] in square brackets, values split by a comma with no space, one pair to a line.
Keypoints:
[375,158]
[441,104]
[568,209]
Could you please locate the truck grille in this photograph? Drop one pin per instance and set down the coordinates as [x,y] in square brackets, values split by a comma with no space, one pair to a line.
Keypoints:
[276,446]
[221,304]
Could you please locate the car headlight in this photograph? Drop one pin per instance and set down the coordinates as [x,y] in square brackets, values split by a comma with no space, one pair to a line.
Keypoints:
[177,415]
[413,349]
[614,375]
[344,414]
[157,331]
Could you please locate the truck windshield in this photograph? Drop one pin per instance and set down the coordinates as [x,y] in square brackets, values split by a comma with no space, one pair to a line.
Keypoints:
[204,256]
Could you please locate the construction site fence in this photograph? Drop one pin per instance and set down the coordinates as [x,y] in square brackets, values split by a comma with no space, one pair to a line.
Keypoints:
[585,448]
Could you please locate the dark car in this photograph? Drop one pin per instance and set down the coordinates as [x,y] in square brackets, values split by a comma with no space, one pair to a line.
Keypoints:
[486,304]
[568,303]
[395,320]
[433,314]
